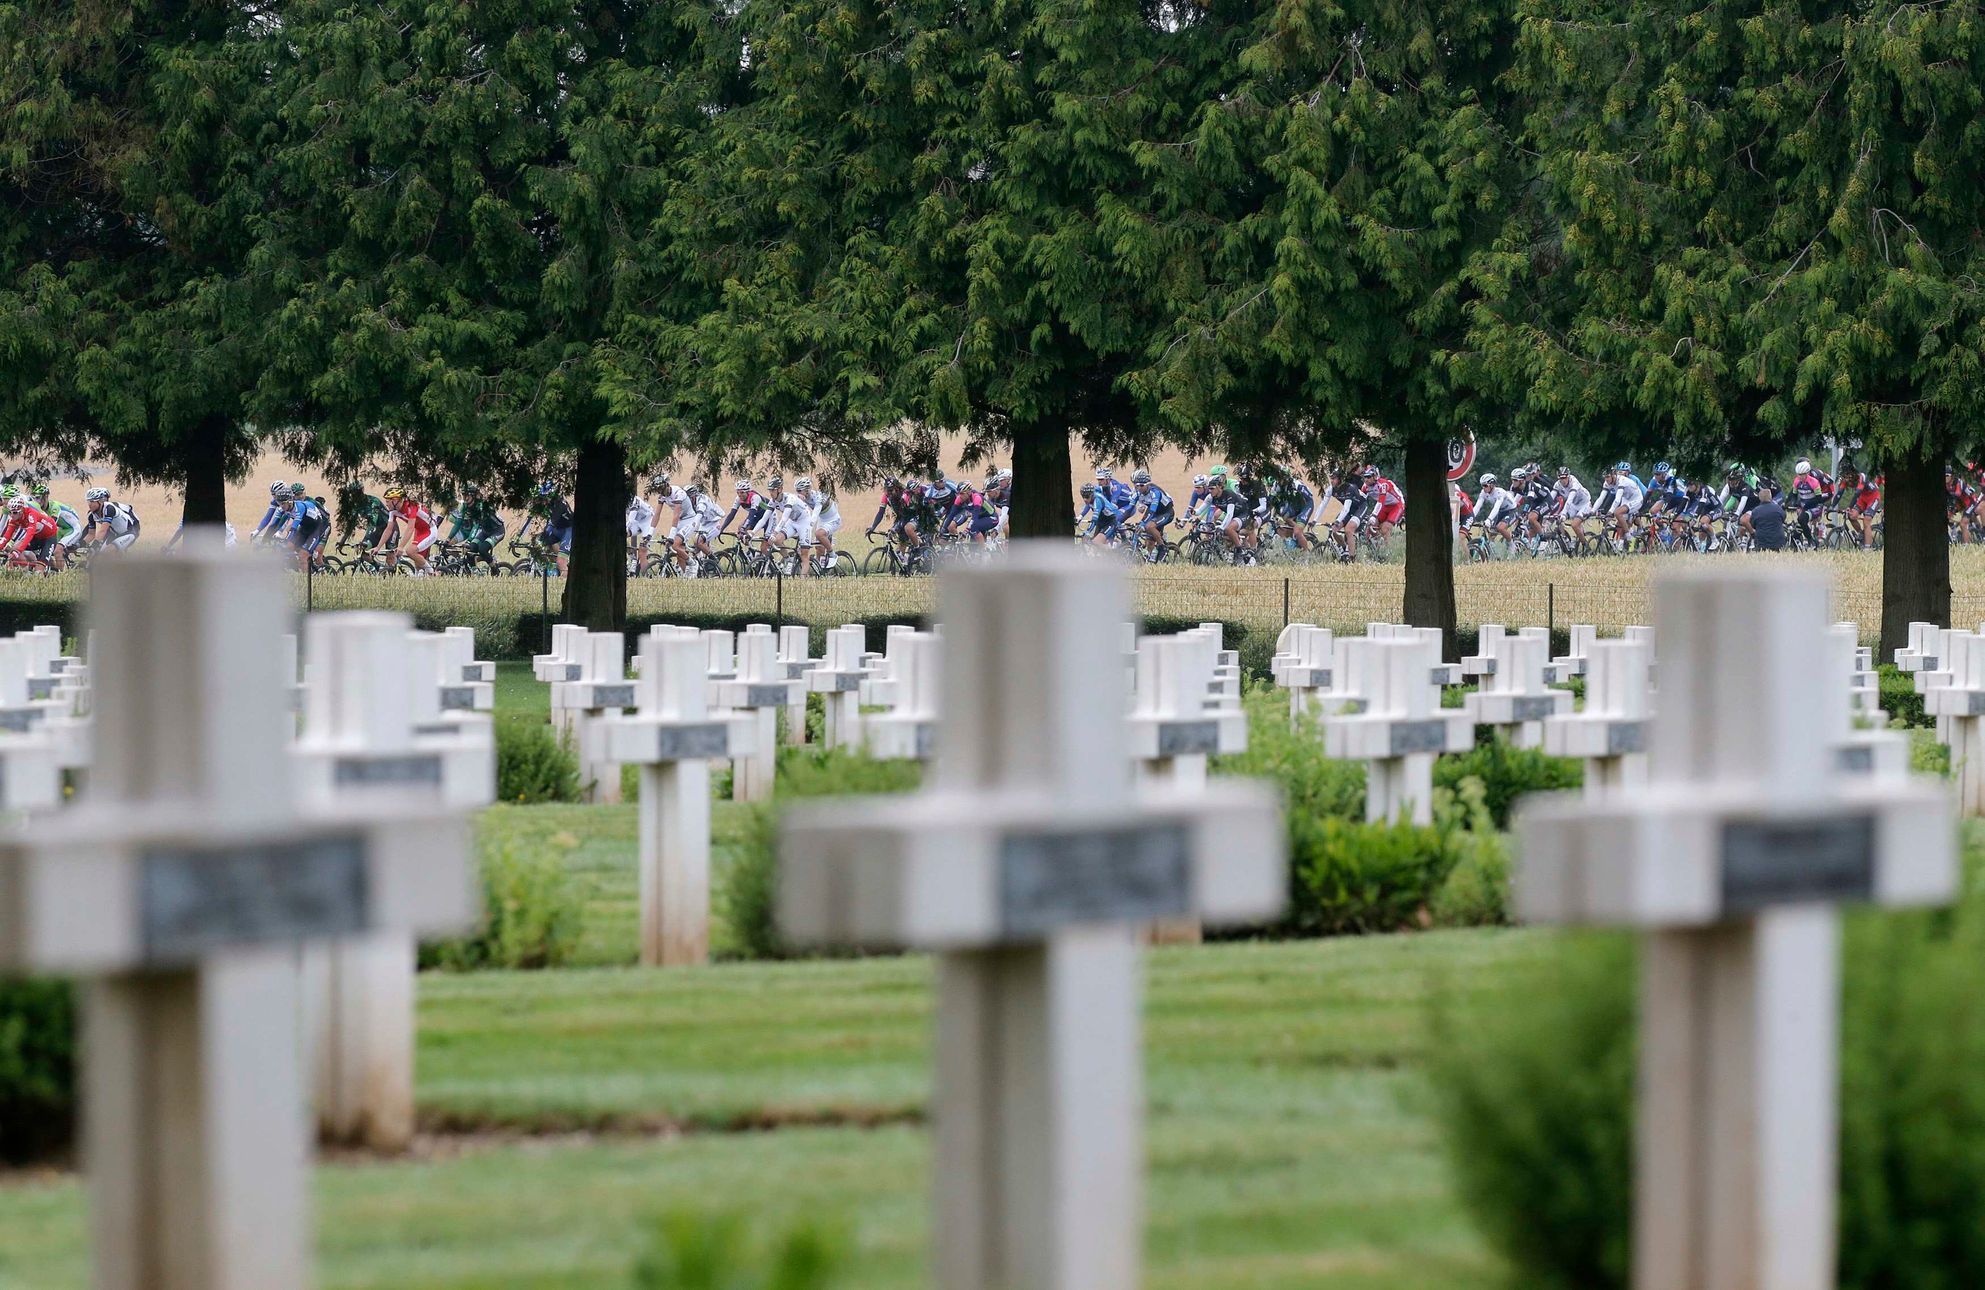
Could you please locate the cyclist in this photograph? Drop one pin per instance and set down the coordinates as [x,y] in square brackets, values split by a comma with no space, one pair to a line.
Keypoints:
[1198,499]
[1153,510]
[1571,501]
[1739,493]
[277,517]
[902,503]
[1352,503]
[1226,506]
[1961,499]
[640,530]
[556,513]
[1122,495]
[68,527]
[747,502]
[940,501]
[1666,498]
[1388,503]
[308,527]
[976,512]
[823,520]
[357,508]
[1105,517]
[999,492]
[1862,494]
[1533,500]
[420,530]
[788,517]
[704,520]
[478,526]
[1495,506]
[118,521]
[1627,493]
[29,530]
[1811,491]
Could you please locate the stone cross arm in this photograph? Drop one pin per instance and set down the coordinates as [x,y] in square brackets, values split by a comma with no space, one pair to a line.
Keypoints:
[957,869]
[644,739]
[108,896]
[1682,856]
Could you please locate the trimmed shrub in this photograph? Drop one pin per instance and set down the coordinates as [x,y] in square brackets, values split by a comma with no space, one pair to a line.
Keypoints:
[534,765]
[747,887]
[1536,1098]
[1476,890]
[532,915]
[1899,698]
[1507,773]
[1291,756]
[37,1069]
[690,1252]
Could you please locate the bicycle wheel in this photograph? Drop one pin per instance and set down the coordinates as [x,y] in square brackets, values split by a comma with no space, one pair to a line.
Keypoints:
[838,565]
[879,560]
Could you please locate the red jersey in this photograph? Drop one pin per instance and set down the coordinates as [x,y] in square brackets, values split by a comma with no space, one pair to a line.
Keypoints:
[25,527]
[1384,492]
[416,515]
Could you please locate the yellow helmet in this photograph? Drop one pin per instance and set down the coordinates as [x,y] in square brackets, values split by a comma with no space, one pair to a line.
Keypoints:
[396,494]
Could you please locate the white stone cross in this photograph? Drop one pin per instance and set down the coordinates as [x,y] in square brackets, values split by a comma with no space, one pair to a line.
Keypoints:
[374,683]
[1174,727]
[1731,861]
[1483,661]
[1960,711]
[1305,670]
[1400,728]
[1029,863]
[180,891]
[908,731]
[673,737]
[761,689]
[838,680]
[594,685]
[1877,751]
[1921,652]
[1572,662]
[1514,697]
[467,683]
[1610,735]
[30,778]
[794,657]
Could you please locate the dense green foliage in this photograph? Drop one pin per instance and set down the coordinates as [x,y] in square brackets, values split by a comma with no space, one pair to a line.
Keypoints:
[531,914]
[1536,1093]
[534,765]
[690,1252]
[37,1068]
[1506,773]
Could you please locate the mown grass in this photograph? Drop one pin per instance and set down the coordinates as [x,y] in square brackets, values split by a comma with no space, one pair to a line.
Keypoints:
[1289,1144]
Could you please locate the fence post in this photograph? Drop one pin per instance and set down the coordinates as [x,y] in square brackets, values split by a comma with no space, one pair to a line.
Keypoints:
[309,586]
[1285,600]
[778,598]
[1550,608]
[544,611]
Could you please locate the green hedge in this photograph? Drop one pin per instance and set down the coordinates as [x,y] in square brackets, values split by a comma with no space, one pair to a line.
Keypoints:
[1899,698]
[1535,1089]
[37,1068]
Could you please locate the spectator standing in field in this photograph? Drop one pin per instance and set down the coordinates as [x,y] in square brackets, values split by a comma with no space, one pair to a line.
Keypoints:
[1765,521]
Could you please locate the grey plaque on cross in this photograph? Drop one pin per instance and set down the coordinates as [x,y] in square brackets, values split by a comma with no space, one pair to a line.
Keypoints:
[1854,759]
[1184,738]
[844,682]
[193,899]
[41,687]
[1532,707]
[574,672]
[764,696]
[797,670]
[391,771]
[59,664]
[613,696]
[458,698]
[1428,736]
[1131,873]
[1623,737]
[685,743]
[1830,859]
[20,720]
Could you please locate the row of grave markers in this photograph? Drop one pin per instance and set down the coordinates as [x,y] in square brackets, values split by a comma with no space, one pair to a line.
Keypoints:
[213,842]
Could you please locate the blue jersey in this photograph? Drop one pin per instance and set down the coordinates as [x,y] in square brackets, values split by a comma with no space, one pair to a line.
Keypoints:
[278,516]
[1155,500]
[1121,493]
[1103,511]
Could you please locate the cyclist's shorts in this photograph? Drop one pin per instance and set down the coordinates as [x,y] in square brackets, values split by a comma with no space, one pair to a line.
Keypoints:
[68,537]
[1110,527]
[896,529]
[375,531]
[983,524]
[828,527]
[1391,513]
[124,543]
[1161,517]
[561,536]
[42,548]
[1225,515]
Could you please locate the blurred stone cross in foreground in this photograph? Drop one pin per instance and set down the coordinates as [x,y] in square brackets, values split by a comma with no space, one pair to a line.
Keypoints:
[1732,860]
[180,891]
[1030,864]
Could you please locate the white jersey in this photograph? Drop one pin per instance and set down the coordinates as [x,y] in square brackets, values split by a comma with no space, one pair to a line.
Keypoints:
[640,519]
[1626,493]
[826,516]
[1572,498]
[706,514]
[1491,503]
[119,519]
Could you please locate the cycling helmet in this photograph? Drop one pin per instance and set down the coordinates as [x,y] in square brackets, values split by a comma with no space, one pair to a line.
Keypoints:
[1736,468]
[17,503]
[1663,468]
[777,481]
[297,490]
[1487,480]
[1564,472]
[1624,467]
[396,494]
[1005,475]
[891,482]
[1219,472]
[40,490]
[693,489]
[1370,472]
[744,485]
[804,483]
[97,495]
[1803,466]
[1141,477]
[1735,472]
[660,482]
[278,488]
[1088,491]
[1103,472]
[1199,481]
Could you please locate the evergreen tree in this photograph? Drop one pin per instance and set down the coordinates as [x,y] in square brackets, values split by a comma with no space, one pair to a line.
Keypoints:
[1759,229]
[464,186]
[130,311]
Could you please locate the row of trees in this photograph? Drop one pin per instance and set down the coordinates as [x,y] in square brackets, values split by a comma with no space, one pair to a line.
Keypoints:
[496,238]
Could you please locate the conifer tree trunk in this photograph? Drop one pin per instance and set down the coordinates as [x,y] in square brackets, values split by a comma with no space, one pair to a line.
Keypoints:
[1042,503]
[596,575]
[1916,553]
[1429,542]
[203,468]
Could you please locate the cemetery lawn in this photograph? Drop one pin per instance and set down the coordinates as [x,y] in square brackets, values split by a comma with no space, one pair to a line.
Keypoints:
[1290,1137]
